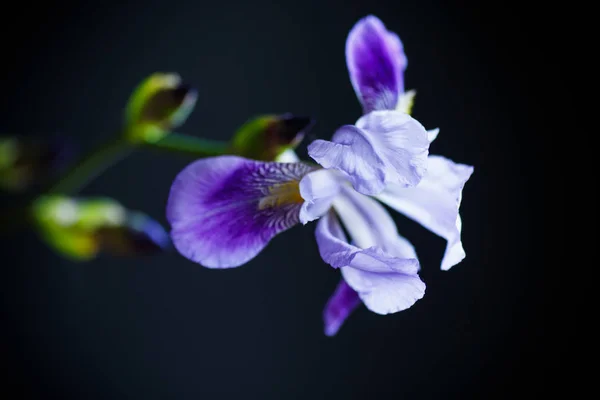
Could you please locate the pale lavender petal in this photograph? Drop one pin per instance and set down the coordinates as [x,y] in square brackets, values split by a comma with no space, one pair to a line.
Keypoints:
[337,252]
[384,147]
[224,210]
[370,225]
[435,203]
[339,306]
[385,293]
[432,134]
[376,63]
[318,189]
[352,152]
[402,142]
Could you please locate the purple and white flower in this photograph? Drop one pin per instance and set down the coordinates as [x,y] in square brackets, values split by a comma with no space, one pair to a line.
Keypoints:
[224,210]
[376,63]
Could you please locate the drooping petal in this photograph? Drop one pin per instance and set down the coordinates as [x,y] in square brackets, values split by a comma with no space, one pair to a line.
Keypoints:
[339,306]
[224,210]
[376,63]
[318,189]
[435,203]
[337,252]
[382,267]
[385,293]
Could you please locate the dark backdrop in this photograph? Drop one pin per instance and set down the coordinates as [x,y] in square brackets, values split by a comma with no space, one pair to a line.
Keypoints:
[165,328]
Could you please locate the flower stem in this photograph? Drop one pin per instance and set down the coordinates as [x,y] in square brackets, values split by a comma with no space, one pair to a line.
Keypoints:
[190,145]
[118,148]
[92,165]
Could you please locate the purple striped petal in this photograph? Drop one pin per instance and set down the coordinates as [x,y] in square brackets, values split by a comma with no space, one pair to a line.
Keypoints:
[435,203]
[376,63]
[382,267]
[224,210]
[384,147]
[339,306]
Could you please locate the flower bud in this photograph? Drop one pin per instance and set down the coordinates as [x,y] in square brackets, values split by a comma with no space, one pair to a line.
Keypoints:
[80,229]
[158,105]
[265,138]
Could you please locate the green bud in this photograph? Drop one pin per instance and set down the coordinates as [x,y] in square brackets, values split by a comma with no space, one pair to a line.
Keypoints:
[80,229]
[267,137]
[158,105]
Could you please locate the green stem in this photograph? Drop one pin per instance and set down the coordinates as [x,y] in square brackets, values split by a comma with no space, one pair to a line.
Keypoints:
[107,155]
[190,145]
[95,163]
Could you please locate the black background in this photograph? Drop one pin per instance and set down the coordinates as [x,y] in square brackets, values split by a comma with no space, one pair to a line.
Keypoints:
[165,328]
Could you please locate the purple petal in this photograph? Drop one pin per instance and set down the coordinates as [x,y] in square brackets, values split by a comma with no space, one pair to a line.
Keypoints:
[384,147]
[318,189]
[376,63]
[339,306]
[385,275]
[435,203]
[224,210]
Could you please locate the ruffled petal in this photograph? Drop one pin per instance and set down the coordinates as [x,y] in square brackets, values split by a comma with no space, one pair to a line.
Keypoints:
[385,293]
[337,252]
[435,203]
[384,147]
[224,210]
[339,306]
[376,63]
[403,144]
[382,267]
[353,152]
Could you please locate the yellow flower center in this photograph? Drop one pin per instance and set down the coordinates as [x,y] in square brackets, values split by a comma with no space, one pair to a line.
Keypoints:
[282,194]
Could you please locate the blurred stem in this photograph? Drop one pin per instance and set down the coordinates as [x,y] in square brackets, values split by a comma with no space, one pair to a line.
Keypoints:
[99,160]
[92,165]
[190,145]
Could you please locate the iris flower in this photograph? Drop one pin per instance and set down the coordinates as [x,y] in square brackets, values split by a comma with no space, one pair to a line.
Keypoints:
[224,210]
